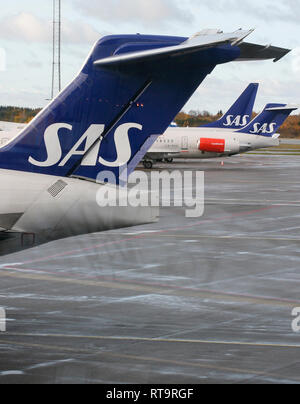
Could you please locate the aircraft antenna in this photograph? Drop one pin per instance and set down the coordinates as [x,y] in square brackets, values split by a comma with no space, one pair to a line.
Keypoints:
[56,49]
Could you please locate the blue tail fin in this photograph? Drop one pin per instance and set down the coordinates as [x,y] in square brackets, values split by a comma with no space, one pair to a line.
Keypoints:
[269,121]
[108,117]
[240,114]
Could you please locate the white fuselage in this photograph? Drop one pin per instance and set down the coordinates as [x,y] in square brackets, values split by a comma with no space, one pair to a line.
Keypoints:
[187,143]
[199,143]
[9,130]
[47,208]
[51,207]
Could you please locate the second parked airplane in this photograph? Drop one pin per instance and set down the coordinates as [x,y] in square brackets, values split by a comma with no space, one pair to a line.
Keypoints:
[234,133]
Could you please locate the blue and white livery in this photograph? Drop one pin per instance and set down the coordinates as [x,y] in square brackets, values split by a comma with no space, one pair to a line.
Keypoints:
[127,93]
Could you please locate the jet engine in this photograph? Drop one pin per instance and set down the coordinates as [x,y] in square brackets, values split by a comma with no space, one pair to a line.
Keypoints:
[220,146]
[212,145]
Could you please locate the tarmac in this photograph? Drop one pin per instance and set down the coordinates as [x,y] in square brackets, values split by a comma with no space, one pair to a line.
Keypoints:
[189,301]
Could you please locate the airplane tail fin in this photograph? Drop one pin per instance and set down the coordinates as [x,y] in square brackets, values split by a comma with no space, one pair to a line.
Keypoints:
[269,121]
[129,90]
[240,114]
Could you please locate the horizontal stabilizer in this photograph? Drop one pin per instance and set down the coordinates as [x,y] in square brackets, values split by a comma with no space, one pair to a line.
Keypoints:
[283,109]
[251,51]
[194,44]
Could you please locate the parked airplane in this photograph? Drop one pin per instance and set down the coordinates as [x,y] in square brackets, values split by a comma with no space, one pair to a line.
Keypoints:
[214,140]
[238,116]
[103,122]
[9,130]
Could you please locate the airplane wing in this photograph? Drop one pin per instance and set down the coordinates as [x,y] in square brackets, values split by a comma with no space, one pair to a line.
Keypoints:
[161,155]
[200,41]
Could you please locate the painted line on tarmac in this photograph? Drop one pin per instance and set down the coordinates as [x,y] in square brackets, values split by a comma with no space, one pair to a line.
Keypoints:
[230,237]
[119,356]
[155,339]
[159,289]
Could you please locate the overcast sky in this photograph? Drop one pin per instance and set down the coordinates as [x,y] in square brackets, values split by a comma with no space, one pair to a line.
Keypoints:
[26,31]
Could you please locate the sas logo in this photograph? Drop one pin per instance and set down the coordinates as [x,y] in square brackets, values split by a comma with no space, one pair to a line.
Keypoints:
[90,137]
[237,121]
[266,128]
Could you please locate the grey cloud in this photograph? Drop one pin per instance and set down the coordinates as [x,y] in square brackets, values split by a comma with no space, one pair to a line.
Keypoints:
[30,28]
[266,10]
[154,12]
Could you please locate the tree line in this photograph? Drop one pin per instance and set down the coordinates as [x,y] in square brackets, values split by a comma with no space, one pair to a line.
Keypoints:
[18,115]
[290,129]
